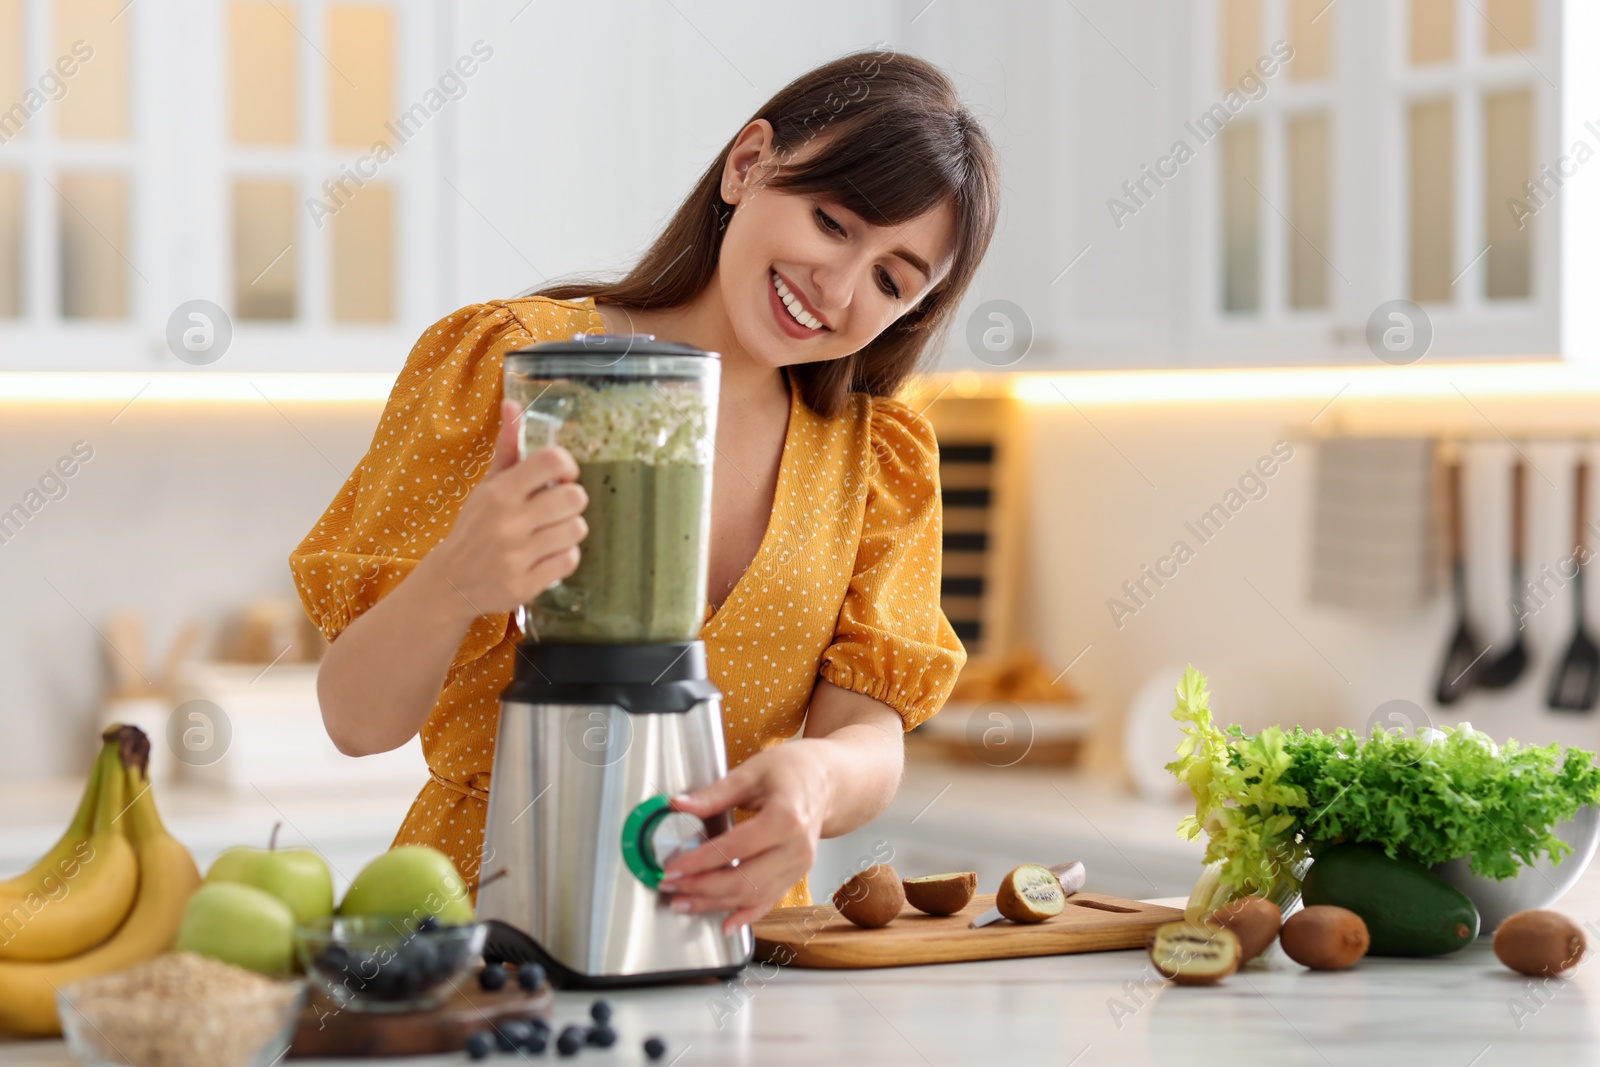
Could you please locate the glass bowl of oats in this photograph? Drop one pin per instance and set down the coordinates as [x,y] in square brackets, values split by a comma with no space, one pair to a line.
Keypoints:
[180,1010]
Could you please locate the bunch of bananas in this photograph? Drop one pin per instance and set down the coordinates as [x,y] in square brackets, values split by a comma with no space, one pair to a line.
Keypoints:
[110,893]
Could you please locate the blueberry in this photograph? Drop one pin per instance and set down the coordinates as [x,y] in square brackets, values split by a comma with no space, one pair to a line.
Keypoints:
[518,1033]
[408,984]
[602,1036]
[428,925]
[502,1038]
[492,977]
[600,1011]
[362,971]
[333,958]
[530,976]
[423,955]
[404,980]
[654,1048]
[479,1045]
[570,1041]
[385,984]
[538,1038]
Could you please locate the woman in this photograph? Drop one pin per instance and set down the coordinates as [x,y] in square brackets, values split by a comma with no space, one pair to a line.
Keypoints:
[821,254]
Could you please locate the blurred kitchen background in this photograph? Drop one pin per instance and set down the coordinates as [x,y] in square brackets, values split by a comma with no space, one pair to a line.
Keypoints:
[1267,272]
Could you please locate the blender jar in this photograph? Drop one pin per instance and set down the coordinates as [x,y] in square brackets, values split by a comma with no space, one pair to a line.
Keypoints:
[639,417]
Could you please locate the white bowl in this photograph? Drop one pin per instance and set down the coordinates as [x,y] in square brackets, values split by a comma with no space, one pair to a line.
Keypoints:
[1536,886]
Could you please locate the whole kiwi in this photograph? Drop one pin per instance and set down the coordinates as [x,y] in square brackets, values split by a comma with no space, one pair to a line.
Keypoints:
[941,894]
[1324,937]
[872,898]
[1539,943]
[1254,919]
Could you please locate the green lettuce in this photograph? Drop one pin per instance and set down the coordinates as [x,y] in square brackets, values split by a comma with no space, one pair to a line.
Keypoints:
[1269,801]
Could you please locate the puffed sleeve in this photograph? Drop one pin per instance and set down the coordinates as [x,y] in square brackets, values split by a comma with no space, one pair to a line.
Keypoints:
[892,641]
[433,444]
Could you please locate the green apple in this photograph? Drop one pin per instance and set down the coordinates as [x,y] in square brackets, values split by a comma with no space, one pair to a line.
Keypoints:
[413,881]
[238,924]
[296,876]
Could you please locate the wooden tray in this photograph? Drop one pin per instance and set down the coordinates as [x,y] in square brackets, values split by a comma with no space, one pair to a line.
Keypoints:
[324,1030]
[816,936]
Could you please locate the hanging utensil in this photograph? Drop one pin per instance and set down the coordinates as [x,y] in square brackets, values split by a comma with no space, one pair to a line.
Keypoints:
[1458,673]
[1502,671]
[1577,680]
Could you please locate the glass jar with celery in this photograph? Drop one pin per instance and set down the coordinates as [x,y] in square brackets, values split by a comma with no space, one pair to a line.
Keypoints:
[1269,802]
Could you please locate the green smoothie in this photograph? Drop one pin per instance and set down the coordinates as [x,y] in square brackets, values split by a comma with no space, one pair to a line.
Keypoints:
[641,453]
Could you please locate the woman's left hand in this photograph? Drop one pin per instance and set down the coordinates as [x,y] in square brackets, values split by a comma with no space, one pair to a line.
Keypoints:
[748,868]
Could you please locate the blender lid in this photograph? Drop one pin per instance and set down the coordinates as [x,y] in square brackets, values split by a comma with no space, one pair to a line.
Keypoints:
[612,346]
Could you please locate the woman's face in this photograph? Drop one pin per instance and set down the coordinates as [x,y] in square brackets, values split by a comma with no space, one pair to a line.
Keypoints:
[802,278]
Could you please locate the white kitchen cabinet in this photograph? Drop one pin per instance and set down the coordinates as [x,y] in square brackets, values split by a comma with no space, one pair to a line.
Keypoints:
[181,160]
[580,128]
[1270,233]
[1435,112]
[525,143]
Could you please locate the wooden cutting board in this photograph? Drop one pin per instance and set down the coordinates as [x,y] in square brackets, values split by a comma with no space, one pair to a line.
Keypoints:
[324,1030]
[817,936]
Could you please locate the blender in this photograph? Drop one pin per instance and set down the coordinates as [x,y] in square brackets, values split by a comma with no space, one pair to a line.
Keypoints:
[610,710]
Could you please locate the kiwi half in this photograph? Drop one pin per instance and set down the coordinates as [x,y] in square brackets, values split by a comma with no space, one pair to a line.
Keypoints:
[941,894]
[1030,894]
[1193,954]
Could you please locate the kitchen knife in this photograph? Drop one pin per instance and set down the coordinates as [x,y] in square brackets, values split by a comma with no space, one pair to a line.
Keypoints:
[1071,875]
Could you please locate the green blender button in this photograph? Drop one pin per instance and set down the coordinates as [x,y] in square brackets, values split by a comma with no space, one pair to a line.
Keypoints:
[636,851]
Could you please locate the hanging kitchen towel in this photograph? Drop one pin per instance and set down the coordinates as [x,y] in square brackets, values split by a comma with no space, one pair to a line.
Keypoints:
[1372,543]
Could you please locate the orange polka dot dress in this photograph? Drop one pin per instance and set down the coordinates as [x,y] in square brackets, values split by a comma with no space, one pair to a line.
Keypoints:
[845,584]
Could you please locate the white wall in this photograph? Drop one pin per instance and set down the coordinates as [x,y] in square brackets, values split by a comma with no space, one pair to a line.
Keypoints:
[1095,520]
[183,512]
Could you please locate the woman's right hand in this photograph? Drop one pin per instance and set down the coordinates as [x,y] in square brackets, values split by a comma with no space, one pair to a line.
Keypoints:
[519,528]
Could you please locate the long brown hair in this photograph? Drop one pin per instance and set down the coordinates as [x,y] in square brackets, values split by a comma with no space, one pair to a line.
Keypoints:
[895,142]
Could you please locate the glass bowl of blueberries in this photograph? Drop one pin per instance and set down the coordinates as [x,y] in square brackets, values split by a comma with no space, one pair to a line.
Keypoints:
[388,964]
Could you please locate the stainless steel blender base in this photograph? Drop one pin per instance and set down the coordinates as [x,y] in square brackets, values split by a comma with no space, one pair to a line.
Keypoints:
[506,944]
[566,779]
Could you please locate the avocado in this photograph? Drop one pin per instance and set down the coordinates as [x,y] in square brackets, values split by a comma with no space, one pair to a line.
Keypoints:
[1409,910]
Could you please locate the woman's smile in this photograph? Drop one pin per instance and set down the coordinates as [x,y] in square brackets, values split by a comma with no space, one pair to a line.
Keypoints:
[794,314]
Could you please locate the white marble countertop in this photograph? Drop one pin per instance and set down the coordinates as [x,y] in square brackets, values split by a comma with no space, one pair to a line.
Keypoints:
[1464,1010]
[1104,1008]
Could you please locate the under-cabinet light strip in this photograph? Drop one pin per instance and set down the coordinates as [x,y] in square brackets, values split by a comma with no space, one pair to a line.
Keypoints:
[1060,387]
[1307,383]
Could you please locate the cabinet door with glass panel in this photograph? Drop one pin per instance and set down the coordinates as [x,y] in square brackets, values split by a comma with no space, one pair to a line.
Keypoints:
[74,183]
[1388,168]
[242,186]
